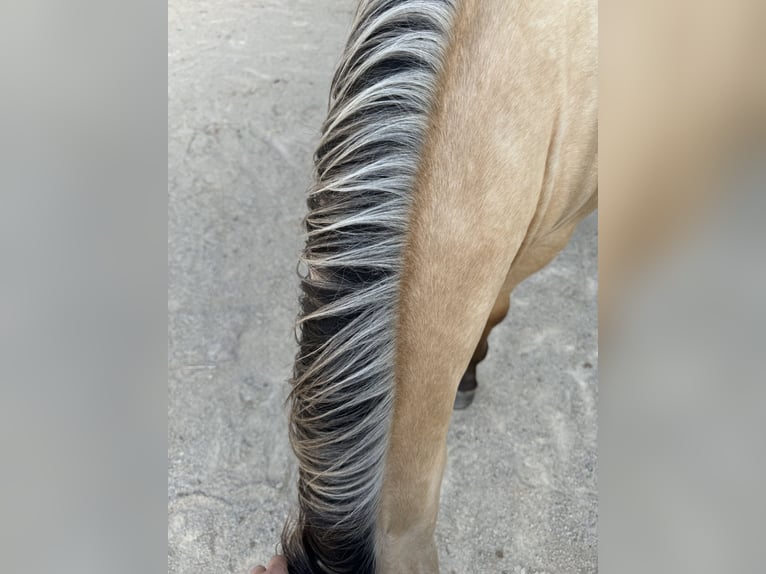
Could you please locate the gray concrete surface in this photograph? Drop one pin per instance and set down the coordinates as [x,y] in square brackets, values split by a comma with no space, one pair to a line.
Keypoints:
[247,85]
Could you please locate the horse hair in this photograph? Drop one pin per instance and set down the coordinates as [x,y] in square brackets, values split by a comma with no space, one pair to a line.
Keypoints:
[341,401]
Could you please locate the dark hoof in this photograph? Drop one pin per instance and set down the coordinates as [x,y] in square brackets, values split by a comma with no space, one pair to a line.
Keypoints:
[466,389]
[463,399]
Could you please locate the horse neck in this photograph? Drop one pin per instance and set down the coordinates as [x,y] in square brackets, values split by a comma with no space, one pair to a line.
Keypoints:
[342,398]
[493,179]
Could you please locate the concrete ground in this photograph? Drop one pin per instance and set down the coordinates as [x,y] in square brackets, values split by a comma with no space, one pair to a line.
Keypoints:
[247,87]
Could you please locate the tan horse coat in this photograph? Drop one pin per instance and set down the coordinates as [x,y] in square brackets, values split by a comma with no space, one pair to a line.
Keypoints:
[509,168]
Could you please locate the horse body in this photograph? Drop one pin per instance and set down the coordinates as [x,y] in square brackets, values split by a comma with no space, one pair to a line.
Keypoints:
[505,167]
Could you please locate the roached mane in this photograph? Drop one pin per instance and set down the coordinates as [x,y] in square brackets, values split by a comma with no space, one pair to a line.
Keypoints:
[343,383]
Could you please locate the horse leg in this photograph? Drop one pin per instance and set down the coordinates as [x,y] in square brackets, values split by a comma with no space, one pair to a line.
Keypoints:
[439,334]
[530,259]
[468,383]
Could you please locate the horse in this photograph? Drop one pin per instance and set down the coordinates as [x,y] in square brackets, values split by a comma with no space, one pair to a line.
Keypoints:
[458,155]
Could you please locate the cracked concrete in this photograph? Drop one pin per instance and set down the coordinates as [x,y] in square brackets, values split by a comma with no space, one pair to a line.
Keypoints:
[247,90]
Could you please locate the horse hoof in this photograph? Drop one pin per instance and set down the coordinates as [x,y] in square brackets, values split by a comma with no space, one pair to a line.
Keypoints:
[463,399]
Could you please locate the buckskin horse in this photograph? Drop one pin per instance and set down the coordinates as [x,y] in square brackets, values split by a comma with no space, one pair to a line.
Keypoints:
[458,155]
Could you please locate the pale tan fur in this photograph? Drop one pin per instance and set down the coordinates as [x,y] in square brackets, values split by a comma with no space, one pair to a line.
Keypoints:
[508,169]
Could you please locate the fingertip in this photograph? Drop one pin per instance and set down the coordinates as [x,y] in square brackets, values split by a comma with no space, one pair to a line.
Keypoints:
[279,564]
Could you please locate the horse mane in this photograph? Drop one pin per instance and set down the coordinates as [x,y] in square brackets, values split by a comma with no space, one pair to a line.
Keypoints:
[341,401]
